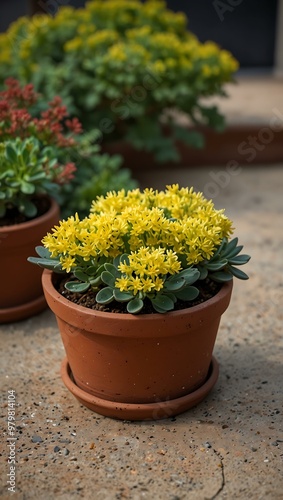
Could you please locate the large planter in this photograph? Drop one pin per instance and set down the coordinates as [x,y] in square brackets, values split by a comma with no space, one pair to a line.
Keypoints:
[21,293]
[138,367]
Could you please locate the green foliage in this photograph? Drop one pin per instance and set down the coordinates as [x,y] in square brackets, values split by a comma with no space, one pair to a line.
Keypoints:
[26,170]
[176,287]
[97,173]
[118,66]
[221,267]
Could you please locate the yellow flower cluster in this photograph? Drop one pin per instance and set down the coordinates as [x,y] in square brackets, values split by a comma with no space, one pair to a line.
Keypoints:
[161,231]
[108,24]
[146,270]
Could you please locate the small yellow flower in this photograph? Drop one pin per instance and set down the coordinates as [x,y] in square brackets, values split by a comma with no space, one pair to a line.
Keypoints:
[67,263]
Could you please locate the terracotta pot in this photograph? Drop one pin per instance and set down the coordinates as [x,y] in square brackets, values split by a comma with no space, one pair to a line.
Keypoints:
[119,362]
[22,295]
[219,149]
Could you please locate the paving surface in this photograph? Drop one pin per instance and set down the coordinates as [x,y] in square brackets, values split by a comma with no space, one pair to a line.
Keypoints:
[252,99]
[228,447]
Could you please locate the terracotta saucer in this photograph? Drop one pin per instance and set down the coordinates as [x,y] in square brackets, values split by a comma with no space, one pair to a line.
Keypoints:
[144,411]
[24,311]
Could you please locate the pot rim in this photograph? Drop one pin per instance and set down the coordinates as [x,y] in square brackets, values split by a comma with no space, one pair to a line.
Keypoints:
[218,302]
[29,225]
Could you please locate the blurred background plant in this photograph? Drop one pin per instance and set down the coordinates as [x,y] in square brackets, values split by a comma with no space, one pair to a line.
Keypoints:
[122,67]
[49,154]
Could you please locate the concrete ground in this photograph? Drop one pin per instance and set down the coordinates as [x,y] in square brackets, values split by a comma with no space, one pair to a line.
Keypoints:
[228,447]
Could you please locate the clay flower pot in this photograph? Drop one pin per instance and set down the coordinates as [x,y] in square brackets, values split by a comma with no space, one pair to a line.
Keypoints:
[138,366]
[21,293]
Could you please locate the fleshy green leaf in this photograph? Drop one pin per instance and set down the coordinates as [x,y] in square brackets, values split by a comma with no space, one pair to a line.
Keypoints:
[240,259]
[171,296]
[135,306]
[108,279]
[238,273]
[28,208]
[112,270]
[80,275]
[216,266]
[203,272]
[104,296]
[188,293]
[75,287]
[45,263]
[27,187]
[122,296]
[42,252]
[221,276]
[11,154]
[219,250]
[175,283]
[163,302]
[191,275]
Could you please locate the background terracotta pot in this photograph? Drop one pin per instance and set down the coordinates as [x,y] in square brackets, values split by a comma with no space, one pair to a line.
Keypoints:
[138,360]
[22,295]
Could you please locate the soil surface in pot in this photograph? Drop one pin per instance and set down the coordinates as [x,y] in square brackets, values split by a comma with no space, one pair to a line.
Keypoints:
[207,289]
[13,216]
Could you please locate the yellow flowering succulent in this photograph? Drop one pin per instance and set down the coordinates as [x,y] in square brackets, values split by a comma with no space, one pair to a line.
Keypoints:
[125,61]
[139,246]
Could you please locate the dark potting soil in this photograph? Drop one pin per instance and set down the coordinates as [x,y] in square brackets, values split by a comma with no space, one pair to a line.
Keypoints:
[13,216]
[207,289]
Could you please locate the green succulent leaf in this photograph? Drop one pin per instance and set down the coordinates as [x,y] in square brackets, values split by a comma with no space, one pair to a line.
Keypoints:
[171,296]
[238,273]
[216,266]
[122,296]
[239,260]
[203,272]
[104,296]
[28,208]
[175,283]
[191,275]
[27,188]
[42,252]
[50,264]
[221,276]
[75,287]
[188,293]
[80,275]
[162,302]
[94,282]
[219,250]
[11,154]
[233,252]
[108,279]
[135,306]
[112,270]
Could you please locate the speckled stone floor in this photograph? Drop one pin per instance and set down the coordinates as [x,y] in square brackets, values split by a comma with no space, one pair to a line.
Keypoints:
[228,447]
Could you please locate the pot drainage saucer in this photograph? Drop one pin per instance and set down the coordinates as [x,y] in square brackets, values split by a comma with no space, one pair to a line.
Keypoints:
[143,411]
[23,311]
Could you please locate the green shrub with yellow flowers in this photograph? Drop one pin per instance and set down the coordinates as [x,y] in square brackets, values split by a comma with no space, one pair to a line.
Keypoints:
[124,67]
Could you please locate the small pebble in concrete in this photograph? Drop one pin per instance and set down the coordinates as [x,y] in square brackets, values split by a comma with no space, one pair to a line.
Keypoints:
[56,449]
[36,439]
